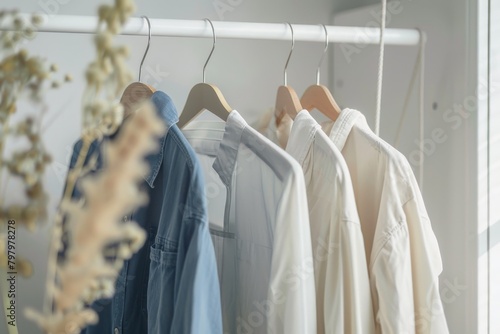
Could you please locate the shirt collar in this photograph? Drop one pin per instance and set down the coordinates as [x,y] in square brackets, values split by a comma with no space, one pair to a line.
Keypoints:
[228,149]
[339,130]
[302,135]
[167,112]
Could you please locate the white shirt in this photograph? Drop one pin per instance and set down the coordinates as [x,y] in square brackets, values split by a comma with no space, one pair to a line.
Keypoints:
[257,209]
[343,299]
[403,253]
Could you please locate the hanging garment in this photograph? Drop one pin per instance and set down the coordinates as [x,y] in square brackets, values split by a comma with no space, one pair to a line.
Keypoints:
[260,229]
[183,288]
[343,300]
[177,291]
[403,253]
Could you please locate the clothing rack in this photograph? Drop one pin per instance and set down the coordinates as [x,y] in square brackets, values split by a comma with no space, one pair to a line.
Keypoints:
[137,26]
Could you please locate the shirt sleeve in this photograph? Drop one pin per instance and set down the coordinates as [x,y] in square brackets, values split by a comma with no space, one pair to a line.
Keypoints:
[427,266]
[197,304]
[392,284]
[292,302]
[340,258]
[183,286]
[406,275]
[348,304]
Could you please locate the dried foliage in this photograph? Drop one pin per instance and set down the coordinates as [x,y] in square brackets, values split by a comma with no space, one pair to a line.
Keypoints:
[108,74]
[23,156]
[87,275]
[94,223]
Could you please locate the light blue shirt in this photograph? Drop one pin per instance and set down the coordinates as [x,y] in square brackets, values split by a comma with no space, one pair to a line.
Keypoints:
[183,289]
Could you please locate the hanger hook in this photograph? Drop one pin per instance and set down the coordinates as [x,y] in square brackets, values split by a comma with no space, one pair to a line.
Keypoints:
[147,47]
[213,48]
[323,55]
[290,54]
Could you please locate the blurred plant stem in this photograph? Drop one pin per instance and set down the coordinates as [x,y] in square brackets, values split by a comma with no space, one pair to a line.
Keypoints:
[56,232]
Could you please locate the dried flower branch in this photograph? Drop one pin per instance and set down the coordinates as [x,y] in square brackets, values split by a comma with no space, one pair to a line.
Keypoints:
[87,275]
[94,223]
[106,77]
[21,75]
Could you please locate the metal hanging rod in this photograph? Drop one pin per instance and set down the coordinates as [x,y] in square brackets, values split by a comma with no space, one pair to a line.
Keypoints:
[237,30]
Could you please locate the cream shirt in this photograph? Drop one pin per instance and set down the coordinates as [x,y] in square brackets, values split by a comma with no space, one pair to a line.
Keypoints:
[404,258]
[259,222]
[343,299]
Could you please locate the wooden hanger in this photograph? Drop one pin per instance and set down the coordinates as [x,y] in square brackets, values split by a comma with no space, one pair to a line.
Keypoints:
[133,95]
[287,100]
[137,91]
[319,96]
[205,96]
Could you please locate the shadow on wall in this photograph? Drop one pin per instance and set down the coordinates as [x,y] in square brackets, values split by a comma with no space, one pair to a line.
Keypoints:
[342,5]
[489,238]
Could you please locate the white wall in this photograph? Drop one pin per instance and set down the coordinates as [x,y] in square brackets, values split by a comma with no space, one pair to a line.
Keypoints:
[249,72]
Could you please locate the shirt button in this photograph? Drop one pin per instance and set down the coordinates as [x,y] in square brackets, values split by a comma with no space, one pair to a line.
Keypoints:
[125,218]
[117,331]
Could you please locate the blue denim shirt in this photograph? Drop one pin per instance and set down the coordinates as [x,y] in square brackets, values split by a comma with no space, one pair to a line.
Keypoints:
[171,284]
